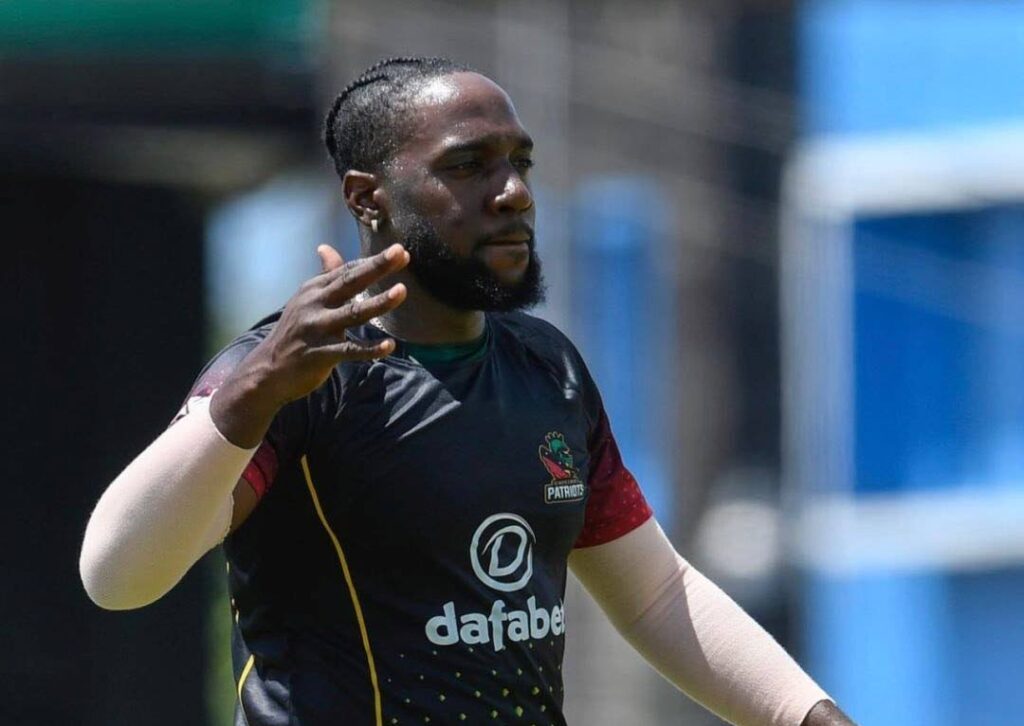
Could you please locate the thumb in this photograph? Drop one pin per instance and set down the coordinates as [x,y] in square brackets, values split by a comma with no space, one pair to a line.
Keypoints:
[329,258]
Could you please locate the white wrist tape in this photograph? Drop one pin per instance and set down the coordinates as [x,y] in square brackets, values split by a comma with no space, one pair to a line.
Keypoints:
[162,513]
[693,633]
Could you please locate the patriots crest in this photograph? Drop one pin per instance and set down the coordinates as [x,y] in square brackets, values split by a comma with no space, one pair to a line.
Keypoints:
[556,456]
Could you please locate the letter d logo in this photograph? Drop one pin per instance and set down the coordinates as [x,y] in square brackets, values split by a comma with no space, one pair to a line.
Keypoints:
[443,629]
[502,552]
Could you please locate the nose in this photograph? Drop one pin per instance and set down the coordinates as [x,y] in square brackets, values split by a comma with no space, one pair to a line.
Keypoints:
[514,196]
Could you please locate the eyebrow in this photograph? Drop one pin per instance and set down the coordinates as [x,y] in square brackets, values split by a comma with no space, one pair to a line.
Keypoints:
[488,140]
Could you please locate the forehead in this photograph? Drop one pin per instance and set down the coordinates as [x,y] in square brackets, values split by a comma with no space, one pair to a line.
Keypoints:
[461,108]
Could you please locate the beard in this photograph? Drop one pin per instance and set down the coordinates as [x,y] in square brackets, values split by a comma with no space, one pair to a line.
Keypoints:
[466,283]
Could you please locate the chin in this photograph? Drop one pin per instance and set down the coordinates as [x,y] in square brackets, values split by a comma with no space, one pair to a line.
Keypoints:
[509,280]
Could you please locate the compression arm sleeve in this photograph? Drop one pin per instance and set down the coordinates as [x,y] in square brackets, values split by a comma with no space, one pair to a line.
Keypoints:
[162,513]
[692,632]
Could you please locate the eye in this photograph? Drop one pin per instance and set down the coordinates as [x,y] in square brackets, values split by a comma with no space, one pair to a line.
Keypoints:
[523,164]
[466,166]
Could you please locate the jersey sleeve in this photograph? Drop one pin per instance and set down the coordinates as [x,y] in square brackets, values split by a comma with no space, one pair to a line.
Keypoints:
[285,437]
[616,505]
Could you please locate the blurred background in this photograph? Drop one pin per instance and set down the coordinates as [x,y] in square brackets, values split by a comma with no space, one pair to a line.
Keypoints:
[788,237]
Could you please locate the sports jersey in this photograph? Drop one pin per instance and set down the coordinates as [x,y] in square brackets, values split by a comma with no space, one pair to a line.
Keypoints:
[407,561]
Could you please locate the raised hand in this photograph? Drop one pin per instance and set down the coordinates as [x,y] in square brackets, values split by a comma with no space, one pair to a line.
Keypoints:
[308,341]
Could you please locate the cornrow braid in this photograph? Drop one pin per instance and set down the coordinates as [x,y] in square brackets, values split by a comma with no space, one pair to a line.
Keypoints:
[370,75]
[363,124]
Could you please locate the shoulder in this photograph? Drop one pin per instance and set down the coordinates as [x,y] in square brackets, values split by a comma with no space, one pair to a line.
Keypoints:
[535,332]
[546,344]
[220,366]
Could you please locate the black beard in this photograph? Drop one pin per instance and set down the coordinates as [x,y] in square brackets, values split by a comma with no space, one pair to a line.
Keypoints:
[466,283]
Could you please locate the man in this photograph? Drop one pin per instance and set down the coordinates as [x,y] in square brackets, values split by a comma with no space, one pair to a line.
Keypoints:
[404,466]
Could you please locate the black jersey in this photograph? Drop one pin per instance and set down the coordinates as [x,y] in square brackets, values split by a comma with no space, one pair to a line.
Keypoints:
[407,561]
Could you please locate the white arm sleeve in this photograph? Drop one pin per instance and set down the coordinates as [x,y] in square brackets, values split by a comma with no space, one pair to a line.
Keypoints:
[692,632]
[162,513]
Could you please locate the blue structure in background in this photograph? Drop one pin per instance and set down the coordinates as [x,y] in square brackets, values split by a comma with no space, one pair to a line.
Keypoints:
[936,301]
[875,66]
[623,319]
[939,350]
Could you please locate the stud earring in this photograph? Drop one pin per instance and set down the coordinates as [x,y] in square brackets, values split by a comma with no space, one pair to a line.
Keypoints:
[375,226]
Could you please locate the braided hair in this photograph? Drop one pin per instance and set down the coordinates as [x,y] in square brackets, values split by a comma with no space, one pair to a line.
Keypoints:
[363,126]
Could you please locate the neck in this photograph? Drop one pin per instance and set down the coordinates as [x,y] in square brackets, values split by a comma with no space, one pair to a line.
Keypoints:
[424,319]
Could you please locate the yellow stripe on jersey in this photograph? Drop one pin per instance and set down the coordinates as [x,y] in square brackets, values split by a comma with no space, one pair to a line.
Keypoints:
[351,591]
[241,684]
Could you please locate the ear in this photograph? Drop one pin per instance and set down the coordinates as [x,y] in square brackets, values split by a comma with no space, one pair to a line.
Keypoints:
[364,196]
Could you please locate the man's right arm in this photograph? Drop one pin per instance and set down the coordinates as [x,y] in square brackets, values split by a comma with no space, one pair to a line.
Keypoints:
[170,505]
[181,495]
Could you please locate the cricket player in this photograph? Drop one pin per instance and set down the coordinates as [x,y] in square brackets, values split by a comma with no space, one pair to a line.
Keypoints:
[402,465]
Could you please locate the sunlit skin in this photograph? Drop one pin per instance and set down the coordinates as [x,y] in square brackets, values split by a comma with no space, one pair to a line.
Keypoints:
[464,168]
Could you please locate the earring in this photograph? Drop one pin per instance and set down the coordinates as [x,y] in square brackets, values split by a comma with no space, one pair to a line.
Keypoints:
[375,226]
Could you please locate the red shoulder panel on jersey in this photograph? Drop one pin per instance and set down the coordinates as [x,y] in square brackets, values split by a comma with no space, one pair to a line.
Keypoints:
[616,505]
[262,469]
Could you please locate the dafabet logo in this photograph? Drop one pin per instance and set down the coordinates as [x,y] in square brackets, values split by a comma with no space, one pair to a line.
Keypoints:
[501,554]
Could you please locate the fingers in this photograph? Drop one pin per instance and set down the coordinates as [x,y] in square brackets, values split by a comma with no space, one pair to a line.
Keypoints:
[352,278]
[358,350]
[329,258]
[359,311]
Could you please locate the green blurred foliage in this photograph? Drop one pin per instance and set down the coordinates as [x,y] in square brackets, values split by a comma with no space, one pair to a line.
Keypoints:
[156,26]
[220,680]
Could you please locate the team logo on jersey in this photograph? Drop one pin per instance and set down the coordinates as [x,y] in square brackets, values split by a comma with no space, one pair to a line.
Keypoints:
[556,456]
[501,553]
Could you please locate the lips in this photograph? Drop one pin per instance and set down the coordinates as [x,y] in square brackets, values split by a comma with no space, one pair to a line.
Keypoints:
[510,247]
[512,238]
[506,257]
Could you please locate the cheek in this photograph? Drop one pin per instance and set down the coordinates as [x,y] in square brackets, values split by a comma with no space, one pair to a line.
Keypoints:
[452,209]
[448,209]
